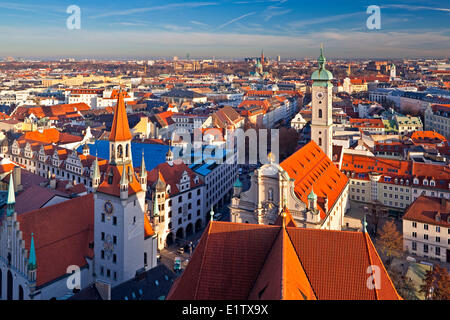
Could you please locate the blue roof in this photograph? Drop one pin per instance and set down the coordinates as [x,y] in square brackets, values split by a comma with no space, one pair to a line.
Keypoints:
[154,154]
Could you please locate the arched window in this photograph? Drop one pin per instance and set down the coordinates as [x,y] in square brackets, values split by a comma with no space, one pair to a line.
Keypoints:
[320,142]
[320,113]
[119,151]
[270,196]
[127,151]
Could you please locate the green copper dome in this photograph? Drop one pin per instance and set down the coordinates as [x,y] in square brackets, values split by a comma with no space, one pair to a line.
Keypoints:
[312,195]
[322,74]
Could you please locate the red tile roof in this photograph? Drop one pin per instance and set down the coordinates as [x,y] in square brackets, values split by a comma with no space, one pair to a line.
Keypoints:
[51,135]
[62,234]
[425,209]
[311,168]
[241,261]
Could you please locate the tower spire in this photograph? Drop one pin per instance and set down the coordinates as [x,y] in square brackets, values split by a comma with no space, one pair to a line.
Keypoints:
[120,129]
[11,200]
[96,173]
[155,207]
[212,214]
[32,258]
[322,60]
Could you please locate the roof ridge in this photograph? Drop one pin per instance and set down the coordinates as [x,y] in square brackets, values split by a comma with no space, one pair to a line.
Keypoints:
[300,261]
[203,257]
[382,265]
[264,263]
[365,235]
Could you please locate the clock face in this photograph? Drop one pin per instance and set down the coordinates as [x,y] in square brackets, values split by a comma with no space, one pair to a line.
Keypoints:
[109,207]
[320,95]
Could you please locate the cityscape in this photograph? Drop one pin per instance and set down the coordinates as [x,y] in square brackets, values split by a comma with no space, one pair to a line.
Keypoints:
[225,151]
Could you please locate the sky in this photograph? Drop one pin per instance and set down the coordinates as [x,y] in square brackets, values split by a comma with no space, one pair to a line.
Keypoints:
[139,29]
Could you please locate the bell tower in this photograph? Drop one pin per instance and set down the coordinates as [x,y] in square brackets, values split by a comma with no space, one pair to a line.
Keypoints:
[121,245]
[322,107]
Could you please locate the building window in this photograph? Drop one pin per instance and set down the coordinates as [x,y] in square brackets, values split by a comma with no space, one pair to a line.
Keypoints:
[114,258]
[438,239]
[438,251]
[320,113]
[425,248]
[425,237]
[103,254]
[438,229]
[103,217]
[425,226]
[103,236]
[115,221]
[414,234]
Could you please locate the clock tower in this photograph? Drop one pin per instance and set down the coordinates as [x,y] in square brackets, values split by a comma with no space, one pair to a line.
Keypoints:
[122,245]
[322,107]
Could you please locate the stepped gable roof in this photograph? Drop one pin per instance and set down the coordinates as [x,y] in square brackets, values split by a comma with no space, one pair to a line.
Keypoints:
[311,168]
[62,234]
[242,261]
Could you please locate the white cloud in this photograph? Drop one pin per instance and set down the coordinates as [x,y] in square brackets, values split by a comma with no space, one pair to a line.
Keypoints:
[150,42]
[155,8]
[414,8]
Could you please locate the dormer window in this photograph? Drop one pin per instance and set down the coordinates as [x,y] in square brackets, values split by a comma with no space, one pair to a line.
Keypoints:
[416,181]
[432,183]
[425,182]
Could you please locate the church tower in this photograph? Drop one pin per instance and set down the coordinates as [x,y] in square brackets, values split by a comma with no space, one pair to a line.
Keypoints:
[322,107]
[120,245]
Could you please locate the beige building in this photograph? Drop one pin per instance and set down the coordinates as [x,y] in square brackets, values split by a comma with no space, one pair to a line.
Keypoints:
[437,118]
[408,124]
[426,228]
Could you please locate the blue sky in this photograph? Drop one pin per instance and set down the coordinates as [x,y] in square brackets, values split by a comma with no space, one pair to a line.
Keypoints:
[224,28]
